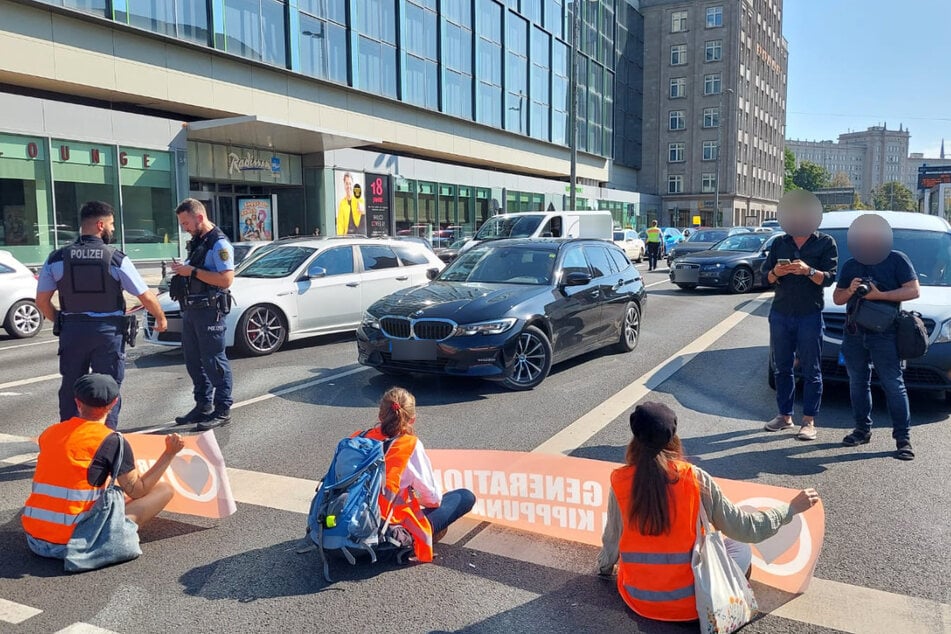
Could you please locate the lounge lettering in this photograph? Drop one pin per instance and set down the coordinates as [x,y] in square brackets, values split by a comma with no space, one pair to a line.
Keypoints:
[94,155]
[64,152]
[32,150]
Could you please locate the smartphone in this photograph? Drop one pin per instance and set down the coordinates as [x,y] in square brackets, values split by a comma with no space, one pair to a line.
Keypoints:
[784,262]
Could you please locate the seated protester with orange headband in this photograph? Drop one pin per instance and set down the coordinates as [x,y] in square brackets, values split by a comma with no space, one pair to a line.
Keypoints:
[420,507]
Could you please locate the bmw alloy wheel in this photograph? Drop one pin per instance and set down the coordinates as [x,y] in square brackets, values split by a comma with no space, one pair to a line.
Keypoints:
[532,360]
[631,328]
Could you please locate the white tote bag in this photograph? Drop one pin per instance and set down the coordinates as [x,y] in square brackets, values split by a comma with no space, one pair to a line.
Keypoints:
[725,600]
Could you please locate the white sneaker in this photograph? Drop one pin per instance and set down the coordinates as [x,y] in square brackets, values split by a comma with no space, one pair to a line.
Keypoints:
[807,432]
[779,423]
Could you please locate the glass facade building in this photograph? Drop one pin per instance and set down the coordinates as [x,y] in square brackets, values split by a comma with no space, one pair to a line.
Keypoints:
[500,63]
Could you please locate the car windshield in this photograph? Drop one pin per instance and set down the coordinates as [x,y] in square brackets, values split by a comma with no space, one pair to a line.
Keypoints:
[502,265]
[708,236]
[929,252]
[747,242]
[520,226]
[277,262]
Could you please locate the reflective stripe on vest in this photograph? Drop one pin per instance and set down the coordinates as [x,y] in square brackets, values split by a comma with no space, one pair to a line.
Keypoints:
[653,234]
[61,491]
[655,577]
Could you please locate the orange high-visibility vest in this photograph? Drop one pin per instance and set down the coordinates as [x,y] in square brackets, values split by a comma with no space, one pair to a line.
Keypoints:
[653,234]
[654,576]
[61,490]
[404,505]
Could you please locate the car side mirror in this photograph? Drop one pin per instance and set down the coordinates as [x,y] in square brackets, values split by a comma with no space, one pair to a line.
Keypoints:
[432,274]
[314,273]
[576,278]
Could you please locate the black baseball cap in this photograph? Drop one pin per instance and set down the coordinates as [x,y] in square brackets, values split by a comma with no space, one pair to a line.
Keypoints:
[653,424]
[96,390]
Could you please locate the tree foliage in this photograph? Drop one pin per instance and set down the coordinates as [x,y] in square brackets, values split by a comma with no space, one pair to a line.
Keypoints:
[840,179]
[810,176]
[790,169]
[893,196]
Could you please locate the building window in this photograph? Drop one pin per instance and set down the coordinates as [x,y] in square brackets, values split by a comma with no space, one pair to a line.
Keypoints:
[708,183]
[678,54]
[709,150]
[489,63]
[675,152]
[714,17]
[713,51]
[675,184]
[677,120]
[255,29]
[711,84]
[559,92]
[323,43]
[420,74]
[711,117]
[457,60]
[181,19]
[678,21]
[678,87]
[516,73]
[539,84]
[376,65]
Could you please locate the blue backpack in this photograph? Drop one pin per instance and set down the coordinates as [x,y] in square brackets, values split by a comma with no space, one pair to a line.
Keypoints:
[345,513]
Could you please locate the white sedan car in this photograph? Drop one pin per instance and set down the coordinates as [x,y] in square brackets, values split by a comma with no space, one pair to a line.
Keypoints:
[21,317]
[305,288]
[630,243]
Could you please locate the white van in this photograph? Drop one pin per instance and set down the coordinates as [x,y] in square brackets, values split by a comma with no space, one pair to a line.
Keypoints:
[545,224]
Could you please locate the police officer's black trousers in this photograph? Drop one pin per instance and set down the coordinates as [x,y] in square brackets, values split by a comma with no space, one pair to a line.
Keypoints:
[203,344]
[90,345]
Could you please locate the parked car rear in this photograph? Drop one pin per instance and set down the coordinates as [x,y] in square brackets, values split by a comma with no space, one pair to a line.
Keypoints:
[21,317]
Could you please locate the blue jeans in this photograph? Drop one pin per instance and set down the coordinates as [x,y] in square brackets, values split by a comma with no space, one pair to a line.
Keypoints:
[789,336]
[90,345]
[203,345]
[881,350]
[454,505]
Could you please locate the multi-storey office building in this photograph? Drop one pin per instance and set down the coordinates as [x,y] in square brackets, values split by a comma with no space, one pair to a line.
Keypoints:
[429,115]
[714,77]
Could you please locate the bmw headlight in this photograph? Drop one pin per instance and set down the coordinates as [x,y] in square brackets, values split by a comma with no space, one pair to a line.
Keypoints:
[485,328]
[944,333]
[711,267]
[370,321]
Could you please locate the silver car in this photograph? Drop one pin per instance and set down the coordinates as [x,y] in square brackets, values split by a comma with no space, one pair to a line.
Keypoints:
[308,287]
[21,317]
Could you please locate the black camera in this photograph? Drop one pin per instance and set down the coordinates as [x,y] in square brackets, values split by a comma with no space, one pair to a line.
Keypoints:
[864,287]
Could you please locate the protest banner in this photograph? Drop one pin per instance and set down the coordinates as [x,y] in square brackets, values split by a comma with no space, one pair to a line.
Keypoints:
[197,474]
[567,498]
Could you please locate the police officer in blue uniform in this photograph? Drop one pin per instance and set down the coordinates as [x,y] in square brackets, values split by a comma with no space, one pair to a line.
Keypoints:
[89,276]
[200,287]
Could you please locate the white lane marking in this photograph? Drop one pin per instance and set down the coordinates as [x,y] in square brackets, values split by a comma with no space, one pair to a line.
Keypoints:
[578,432]
[15,613]
[84,628]
[261,489]
[27,345]
[11,393]
[270,395]
[36,379]
[656,283]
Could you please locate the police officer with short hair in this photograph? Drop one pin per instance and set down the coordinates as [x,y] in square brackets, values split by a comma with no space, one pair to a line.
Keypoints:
[200,287]
[89,276]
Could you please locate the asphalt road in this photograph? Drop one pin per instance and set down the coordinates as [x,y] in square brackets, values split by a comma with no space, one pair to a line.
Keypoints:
[888,527]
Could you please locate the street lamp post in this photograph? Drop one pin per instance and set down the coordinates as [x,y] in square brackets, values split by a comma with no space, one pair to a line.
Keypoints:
[573,105]
[716,196]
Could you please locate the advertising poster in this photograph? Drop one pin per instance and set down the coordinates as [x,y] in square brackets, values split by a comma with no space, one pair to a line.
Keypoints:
[256,218]
[378,205]
[351,204]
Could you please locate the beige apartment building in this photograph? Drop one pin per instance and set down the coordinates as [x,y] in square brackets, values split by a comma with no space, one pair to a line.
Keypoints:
[714,77]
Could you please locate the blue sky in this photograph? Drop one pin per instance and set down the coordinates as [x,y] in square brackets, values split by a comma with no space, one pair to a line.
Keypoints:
[858,63]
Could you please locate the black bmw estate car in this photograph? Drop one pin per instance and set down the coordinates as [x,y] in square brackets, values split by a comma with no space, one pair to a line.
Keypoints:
[507,310]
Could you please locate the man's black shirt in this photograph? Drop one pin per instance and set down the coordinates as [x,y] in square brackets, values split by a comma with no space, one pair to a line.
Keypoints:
[797,295]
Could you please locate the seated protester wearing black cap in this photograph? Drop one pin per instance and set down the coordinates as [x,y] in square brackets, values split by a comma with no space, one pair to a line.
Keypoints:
[652,519]
[74,465]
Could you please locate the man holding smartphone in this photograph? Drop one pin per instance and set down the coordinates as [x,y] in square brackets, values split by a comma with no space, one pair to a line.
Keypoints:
[800,265]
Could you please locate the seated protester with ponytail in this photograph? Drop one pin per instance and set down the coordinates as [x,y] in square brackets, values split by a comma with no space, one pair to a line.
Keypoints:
[652,520]
[419,506]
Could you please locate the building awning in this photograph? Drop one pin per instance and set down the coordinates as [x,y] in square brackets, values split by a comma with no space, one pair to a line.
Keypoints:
[258,132]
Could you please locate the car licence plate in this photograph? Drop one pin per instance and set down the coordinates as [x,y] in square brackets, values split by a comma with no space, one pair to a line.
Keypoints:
[413,350]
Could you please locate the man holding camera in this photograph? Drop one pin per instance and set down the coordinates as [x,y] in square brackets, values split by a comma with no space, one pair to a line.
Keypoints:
[200,286]
[882,278]
[799,265]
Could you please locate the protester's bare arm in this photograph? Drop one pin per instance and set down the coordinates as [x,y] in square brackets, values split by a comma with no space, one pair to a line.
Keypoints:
[135,485]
